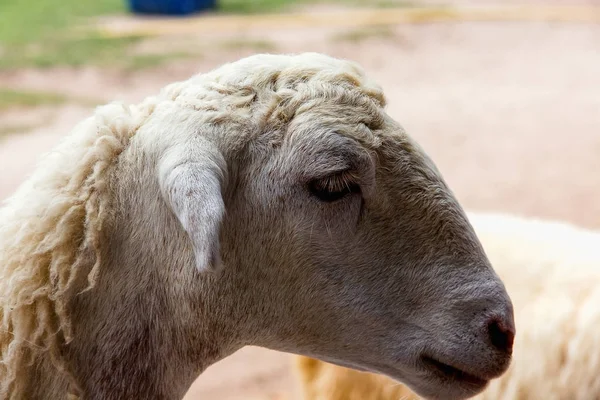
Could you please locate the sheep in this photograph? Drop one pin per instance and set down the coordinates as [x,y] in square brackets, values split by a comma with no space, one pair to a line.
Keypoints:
[552,273]
[268,202]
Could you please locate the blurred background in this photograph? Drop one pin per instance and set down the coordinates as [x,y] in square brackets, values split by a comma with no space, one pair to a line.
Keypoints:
[505,95]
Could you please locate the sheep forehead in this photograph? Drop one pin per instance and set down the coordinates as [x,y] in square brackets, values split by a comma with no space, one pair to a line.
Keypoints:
[273,91]
[261,66]
[263,71]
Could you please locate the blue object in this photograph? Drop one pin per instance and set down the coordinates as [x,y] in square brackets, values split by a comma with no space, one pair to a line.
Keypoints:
[170,7]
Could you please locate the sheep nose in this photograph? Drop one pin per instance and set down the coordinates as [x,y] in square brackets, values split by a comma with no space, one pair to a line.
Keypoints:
[501,333]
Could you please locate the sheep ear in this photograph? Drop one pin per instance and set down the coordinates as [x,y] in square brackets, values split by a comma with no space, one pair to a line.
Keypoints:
[191,185]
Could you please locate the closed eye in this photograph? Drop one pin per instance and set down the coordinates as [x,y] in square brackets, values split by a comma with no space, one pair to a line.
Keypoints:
[333,188]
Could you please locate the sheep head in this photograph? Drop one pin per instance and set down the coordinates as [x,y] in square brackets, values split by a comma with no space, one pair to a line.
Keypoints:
[319,227]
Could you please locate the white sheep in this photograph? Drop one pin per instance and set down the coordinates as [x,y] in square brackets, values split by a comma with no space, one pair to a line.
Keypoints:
[552,273]
[315,224]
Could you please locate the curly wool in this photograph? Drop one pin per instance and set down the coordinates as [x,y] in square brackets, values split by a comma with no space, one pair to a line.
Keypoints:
[51,227]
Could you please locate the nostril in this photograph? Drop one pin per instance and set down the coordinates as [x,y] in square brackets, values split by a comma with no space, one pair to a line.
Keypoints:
[501,335]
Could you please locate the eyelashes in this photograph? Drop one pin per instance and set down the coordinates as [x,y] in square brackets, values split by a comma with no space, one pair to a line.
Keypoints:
[334,188]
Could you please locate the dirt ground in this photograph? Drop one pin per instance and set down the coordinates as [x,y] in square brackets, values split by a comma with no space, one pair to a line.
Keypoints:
[509,111]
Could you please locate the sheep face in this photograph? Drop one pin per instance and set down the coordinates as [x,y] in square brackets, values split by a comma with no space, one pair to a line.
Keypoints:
[362,257]
[337,237]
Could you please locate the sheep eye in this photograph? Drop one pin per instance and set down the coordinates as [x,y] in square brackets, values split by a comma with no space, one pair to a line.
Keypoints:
[333,188]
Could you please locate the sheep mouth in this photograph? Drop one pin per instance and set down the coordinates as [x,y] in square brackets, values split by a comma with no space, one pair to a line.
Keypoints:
[449,373]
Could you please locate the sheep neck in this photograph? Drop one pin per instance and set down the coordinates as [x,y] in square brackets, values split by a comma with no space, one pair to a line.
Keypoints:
[151,325]
[146,334]
[130,346]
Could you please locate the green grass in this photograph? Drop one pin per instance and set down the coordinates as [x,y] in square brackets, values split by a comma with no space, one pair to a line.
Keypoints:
[11,98]
[44,33]
[253,6]
[256,45]
[90,49]
[267,6]
[34,20]
[143,61]
[15,129]
[41,33]
[17,98]
[362,34]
